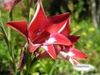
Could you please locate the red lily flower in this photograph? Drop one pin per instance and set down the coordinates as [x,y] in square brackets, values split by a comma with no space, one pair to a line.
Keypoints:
[73,55]
[9,4]
[68,52]
[39,33]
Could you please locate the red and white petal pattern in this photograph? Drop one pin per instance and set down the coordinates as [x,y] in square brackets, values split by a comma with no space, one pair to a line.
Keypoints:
[33,47]
[73,53]
[77,53]
[67,29]
[38,23]
[73,61]
[50,50]
[57,38]
[50,33]
[59,23]
[20,26]
[68,56]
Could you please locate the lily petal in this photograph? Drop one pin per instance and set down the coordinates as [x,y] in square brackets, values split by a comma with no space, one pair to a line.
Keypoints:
[33,47]
[43,55]
[67,29]
[42,37]
[69,57]
[50,50]
[73,38]
[57,38]
[59,23]
[38,23]
[73,61]
[77,53]
[20,26]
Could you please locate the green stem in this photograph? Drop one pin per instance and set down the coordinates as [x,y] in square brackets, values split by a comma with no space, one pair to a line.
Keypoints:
[13,58]
[28,5]
[7,40]
[10,44]
[28,62]
[82,72]
[53,68]
[10,19]
[11,15]
[3,30]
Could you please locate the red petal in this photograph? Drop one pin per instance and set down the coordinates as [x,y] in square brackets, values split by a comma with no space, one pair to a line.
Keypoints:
[33,47]
[42,37]
[73,38]
[38,22]
[20,26]
[78,53]
[43,55]
[50,50]
[58,48]
[59,23]
[67,29]
[57,38]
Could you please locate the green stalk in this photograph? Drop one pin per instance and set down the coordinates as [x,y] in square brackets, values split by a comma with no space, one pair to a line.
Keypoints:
[10,19]
[7,41]
[53,68]
[5,35]
[10,46]
[3,29]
